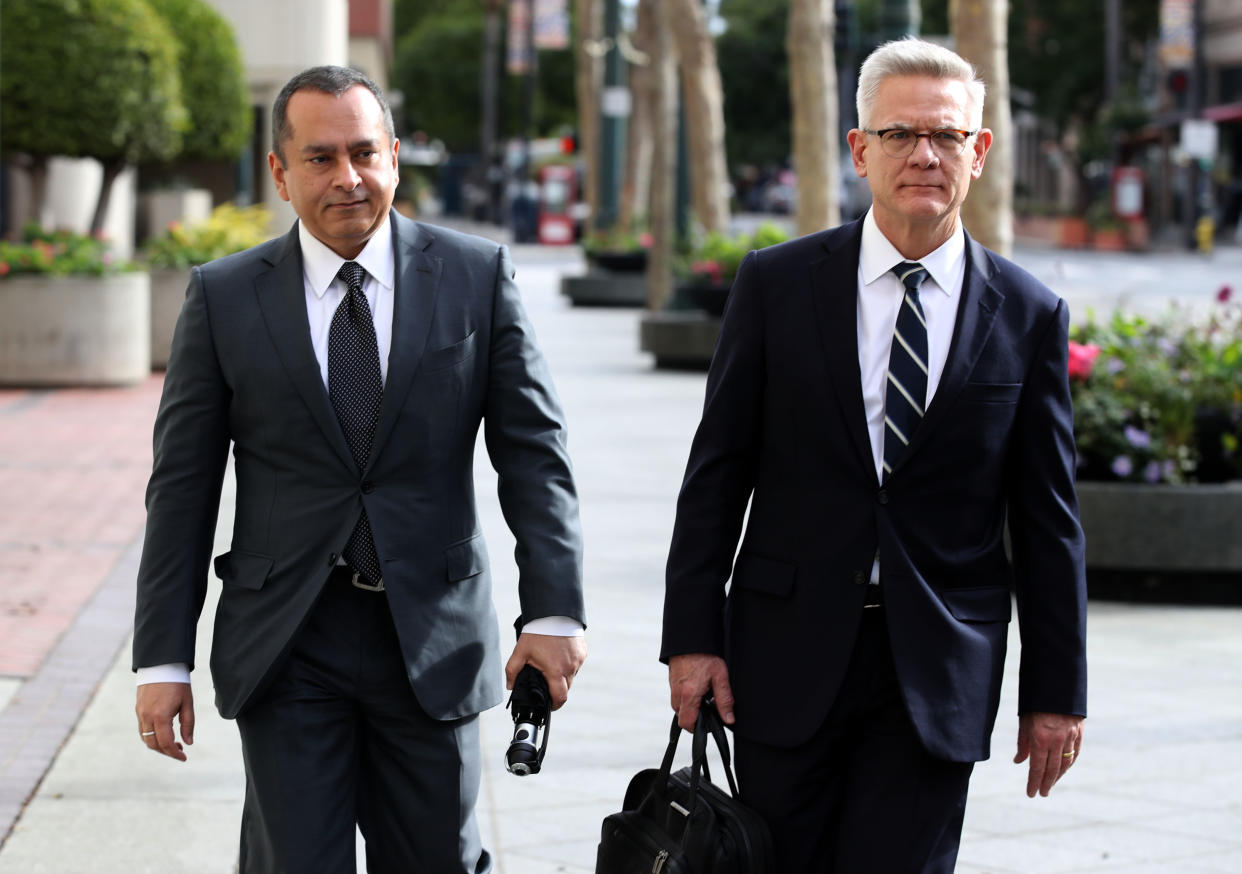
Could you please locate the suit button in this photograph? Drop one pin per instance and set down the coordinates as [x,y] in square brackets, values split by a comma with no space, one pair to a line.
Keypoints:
[367,487]
[332,559]
[859,578]
[882,496]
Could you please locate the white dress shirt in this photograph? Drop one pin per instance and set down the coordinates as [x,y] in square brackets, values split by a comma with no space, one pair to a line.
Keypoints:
[324,293]
[880,294]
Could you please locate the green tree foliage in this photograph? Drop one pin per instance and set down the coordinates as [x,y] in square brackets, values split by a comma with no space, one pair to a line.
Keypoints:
[89,78]
[1057,52]
[213,81]
[438,66]
[755,75]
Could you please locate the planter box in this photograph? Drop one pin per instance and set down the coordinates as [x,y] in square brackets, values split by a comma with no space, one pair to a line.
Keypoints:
[619,262]
[1134,526]
[1163,543]
[679,339]
[606,288]
[75,330]
[167,295]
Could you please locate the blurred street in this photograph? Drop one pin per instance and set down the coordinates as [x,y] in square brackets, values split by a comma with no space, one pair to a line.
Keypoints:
[1156,789]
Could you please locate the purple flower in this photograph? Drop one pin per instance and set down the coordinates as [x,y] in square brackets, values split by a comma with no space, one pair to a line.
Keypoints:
[1168,469]
[1167,346]
[1151,472]
[1123,466]
[1137,437]
[1114,366]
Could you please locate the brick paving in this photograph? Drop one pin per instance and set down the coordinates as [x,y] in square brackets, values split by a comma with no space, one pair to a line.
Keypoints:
[73,467]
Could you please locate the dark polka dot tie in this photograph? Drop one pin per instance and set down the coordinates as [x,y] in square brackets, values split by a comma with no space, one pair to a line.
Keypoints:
[356,386]
[906,393]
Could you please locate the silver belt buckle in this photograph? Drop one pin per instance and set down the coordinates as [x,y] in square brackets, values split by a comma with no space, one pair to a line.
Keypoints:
[360,583]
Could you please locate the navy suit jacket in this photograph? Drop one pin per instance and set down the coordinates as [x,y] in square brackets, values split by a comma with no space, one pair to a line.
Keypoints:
[784,429]
[243,371]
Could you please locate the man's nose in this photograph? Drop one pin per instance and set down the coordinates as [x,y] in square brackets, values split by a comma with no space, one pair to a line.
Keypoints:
[347,177]
[923,154]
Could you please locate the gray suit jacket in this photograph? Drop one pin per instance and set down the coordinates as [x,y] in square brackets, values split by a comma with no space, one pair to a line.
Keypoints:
[242,370]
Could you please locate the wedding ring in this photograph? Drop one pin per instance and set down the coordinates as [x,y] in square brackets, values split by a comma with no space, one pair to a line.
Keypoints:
[1068,755]
[147,733]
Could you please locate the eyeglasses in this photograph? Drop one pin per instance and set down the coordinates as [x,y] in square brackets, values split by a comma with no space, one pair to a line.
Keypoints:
[899,142]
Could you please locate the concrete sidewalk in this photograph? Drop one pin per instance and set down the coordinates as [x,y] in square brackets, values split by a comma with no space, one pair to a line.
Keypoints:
[1157,788]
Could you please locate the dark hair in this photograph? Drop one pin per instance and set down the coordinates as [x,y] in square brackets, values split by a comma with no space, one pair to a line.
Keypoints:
[328,80]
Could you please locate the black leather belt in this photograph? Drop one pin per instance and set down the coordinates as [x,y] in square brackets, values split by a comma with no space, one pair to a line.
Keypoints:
[345,574]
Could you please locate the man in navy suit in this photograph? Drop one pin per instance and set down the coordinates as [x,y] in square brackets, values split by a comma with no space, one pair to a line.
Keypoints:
[884,397]
[350,364]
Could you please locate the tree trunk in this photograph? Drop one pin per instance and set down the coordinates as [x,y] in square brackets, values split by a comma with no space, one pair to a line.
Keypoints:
[664,157]
[636,186]
[980,30]
[704,101]
[111,170]
[38,188]
[813,96]
[588,86]
[490,95]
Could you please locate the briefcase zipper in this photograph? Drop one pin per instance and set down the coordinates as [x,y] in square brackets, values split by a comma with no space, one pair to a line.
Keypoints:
[660,859]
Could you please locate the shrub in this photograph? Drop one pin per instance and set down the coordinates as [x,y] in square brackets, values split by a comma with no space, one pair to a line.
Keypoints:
[58,253]
[229,229]
[1159,401]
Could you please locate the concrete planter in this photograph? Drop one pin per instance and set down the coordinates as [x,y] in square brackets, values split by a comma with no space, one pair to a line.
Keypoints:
[75,330]
[679,339]
[1164,544]
[1131,526]
[600,287]
[167,295]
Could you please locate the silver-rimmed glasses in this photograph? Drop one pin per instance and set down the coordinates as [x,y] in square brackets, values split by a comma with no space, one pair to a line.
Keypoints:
[899,142]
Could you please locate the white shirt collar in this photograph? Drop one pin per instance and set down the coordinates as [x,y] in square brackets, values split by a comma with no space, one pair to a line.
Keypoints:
[320,264]
[878,256]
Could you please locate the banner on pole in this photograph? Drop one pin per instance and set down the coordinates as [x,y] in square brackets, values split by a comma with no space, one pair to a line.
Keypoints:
[519,55]
[1177,34]
[551,24]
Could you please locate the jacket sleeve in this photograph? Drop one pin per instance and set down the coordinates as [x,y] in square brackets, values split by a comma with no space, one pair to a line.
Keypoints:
[720,476]
[524,429]
[1047,538]
[183,495]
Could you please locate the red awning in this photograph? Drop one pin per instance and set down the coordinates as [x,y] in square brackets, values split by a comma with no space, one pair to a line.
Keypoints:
[1224,112]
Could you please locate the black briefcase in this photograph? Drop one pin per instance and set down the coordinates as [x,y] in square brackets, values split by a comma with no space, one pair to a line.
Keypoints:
[680,823]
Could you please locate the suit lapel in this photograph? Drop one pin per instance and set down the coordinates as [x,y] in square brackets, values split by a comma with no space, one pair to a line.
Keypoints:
[414,302]
[282,299]
[834,287]
[976,314]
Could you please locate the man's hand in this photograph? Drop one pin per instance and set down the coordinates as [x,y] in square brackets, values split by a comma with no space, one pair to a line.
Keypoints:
[1053,742]
[690,677]
[557,658]
[158,703]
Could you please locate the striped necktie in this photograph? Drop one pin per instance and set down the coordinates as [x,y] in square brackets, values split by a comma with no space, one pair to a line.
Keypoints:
[906,394]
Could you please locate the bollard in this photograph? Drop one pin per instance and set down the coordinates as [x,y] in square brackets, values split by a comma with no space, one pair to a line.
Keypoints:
[1205,234]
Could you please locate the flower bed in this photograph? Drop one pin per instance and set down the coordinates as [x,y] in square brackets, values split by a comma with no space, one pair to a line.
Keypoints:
[1159,401]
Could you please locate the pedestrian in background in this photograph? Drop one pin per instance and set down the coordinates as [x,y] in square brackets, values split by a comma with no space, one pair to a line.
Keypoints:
[884,395]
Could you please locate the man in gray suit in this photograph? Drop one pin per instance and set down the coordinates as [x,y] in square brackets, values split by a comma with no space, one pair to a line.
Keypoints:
[350,363]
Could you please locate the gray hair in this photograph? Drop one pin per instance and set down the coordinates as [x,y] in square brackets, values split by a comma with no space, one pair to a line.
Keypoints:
[327,80]
[912,56]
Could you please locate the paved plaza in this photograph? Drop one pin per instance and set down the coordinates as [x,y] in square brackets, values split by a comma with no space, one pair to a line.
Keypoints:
[1158,787]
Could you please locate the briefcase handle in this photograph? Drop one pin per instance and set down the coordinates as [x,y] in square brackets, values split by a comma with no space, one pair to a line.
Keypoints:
[709,722]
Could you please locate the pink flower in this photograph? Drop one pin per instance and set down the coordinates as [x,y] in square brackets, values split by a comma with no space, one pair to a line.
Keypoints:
[646,240]
[4,268]
[1224,294]
[1081,360]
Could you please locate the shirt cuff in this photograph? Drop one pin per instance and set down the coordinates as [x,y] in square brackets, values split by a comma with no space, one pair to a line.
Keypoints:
[177,672]
[554,626]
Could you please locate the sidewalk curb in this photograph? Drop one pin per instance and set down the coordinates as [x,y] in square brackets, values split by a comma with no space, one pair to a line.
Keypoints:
[46,708]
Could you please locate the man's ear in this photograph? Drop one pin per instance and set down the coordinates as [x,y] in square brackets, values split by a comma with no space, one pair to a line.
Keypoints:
[857,140]
[277,167]
[983,142]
